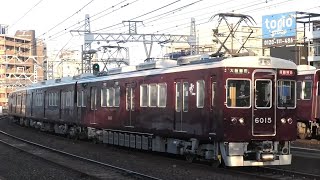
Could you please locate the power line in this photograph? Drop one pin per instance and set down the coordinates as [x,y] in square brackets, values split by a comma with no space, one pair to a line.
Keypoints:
[26,13]
[68,17]
[52,38]
[206,18]
[56,35]
[140,15]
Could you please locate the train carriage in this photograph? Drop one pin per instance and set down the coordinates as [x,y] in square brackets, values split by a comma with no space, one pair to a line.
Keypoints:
[240,109]
[308,102]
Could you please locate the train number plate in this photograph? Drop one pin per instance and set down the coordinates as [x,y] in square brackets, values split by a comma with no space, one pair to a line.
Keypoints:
[265,120]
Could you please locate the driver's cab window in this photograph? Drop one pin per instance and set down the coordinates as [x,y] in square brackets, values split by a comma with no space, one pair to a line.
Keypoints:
[263,93]
[238,93]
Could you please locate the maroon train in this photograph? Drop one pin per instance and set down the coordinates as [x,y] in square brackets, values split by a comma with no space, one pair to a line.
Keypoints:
[237,109]
[308,102]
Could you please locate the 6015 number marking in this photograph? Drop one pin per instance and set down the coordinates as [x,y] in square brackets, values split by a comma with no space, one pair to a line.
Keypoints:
[266,120]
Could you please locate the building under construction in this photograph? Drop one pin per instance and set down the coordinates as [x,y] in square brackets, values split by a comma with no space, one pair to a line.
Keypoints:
[21,62]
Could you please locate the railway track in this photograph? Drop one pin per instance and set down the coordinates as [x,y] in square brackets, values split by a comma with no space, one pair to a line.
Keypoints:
[85,166]
[273,173]
[255,172]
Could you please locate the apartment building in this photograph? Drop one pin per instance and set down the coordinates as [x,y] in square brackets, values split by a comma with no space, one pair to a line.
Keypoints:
[21,59]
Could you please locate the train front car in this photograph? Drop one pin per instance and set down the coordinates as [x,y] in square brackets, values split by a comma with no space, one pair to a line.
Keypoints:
[259,103]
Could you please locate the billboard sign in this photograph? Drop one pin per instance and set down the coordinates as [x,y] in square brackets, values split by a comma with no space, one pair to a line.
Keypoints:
[279,29]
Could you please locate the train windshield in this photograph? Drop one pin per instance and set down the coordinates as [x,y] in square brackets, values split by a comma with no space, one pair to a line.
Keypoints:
[238,93]
[286,94]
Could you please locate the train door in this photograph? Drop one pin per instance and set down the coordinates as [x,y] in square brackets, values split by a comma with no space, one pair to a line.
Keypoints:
[181,103]
[213,107]
[263,105]
[317,102]
[15,103]
[81,104]
[44,103]
[130,106]
[61,104]
[32,96]
[23,107]
[93,104]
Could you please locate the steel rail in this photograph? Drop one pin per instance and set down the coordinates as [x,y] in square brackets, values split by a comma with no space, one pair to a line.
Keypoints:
[127,171]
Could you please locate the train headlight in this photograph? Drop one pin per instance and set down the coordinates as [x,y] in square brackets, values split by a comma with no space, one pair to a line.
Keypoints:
[241,121]
[283,120]
[234,120]
[289,120]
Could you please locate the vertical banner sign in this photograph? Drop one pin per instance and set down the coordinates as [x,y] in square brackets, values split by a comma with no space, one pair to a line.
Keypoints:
[279,29]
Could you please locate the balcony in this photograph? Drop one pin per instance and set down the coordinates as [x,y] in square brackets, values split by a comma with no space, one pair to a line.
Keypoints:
[4,100]
[313,58]
[313,34]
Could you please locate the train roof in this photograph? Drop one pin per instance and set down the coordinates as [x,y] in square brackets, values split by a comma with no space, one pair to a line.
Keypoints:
[306,69]
[170,66]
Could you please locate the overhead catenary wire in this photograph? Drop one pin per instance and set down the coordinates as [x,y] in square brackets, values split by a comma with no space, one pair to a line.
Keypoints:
[65,30]
[25,14]
[56,34]
[167,5]
[206,19]
[68,17]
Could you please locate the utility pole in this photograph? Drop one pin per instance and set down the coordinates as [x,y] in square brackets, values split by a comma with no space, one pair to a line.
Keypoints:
[232,31]
[131,36]
[193,38]
[87,53]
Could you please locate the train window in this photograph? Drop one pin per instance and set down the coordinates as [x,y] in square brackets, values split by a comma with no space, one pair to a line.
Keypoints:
[162,95]
[53,99]
[200,93]
[263,93]
[41,99]
[93,95]
[37,99]
[79,99]
[307,90]
[117,96]
[110,97]
[129,98]
[70,98]
[18,99]
[67,99]
[83,98]
[286,94]
[178,98]
[185,104]
[153,95]
[144,95]
[299,89]
[213,94]
[49,99]
[56,99]
[62,100]
[69,94]
[103,97]
[238,93]
[23,96]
